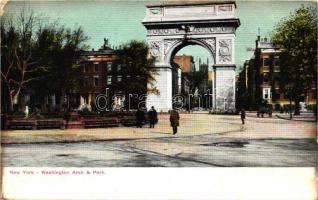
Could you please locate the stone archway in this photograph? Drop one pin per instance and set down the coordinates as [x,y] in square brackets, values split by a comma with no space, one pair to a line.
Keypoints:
[212,25]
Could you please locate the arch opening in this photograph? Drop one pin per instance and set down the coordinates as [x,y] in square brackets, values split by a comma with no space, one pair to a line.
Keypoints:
[192,75]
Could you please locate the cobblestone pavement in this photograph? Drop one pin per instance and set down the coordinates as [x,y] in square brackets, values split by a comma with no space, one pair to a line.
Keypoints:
[202,141]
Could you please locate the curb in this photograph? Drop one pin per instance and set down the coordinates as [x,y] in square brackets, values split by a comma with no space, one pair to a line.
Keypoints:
[280,117]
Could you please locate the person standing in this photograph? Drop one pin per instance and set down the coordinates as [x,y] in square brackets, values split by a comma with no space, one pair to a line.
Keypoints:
[26,111]
[174,120]
[140,117]
[243,116]
[153,117]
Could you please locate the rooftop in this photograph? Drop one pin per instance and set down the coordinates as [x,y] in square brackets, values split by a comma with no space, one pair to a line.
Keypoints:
[168,3]
[98,52]
[265,43]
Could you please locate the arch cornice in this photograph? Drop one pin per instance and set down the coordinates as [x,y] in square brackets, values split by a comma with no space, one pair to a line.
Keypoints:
[211,23]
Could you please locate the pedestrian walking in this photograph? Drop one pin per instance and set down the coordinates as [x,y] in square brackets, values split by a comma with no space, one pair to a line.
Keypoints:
[174,120]
[153,117]
[243,116]
[140,117]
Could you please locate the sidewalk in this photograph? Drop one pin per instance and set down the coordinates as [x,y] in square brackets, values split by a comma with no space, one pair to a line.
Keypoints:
[190,125]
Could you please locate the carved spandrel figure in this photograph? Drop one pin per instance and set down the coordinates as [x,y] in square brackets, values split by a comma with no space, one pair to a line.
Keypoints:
[225,50]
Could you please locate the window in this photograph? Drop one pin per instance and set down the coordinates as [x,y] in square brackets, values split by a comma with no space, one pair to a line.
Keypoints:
[85,67]
[109,80]
[95,80]
[276,76]
[265,77]
[119,67]
[119,78]
[266,61]
[109,66]
[85,82]
[95,67]
[266,93]
[276,94]
[276,61]
[286,94]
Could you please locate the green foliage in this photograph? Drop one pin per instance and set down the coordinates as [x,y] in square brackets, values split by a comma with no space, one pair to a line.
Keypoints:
[43,57]
[59,48]
[296,36]
[137,69]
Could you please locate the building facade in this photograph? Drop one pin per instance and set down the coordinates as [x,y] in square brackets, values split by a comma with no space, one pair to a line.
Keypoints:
[102,71]
[186,64]
[97,67]
[259,80]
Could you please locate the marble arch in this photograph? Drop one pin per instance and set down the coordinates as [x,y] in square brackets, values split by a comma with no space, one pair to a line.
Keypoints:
[210,24]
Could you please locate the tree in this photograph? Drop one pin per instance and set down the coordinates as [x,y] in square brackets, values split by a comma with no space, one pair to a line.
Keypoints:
[137,69]
[296,36]
[18,64]
[40,57]
[60,49]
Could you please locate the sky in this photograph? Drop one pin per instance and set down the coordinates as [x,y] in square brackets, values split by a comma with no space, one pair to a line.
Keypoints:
[120,21]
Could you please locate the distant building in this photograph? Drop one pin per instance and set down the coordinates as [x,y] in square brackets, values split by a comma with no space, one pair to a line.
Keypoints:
[185,62]
[259,79]
[185,65]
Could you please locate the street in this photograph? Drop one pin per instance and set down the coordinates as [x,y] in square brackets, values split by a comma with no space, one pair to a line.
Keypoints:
[197,151]
[233,146]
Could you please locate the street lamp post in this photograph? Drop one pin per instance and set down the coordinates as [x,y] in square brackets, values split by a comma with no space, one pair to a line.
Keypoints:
[289,92]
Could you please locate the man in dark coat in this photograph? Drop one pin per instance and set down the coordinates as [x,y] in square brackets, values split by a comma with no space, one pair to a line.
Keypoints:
[243,116]
[140,117]
[152,116]
[174,120]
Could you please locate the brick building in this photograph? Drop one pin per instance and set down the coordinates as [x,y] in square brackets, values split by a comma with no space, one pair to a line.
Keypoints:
[101,70]
[186,65]
[259,80]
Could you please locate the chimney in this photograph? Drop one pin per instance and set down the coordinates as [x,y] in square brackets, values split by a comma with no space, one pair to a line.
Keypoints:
[259,34]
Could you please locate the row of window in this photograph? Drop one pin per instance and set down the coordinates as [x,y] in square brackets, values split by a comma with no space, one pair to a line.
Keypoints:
[108,80]
[267,61]
[267,94]
[276,94]
[108,65]
[265,77]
